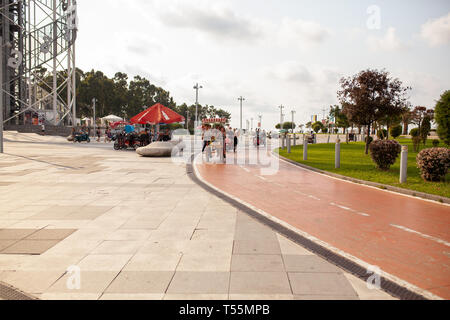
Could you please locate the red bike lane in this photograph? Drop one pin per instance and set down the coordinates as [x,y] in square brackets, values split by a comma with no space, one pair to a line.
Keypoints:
[404,236]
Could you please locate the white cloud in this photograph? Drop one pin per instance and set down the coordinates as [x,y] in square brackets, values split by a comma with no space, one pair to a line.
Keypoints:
[437,32]
[310,31]
[214,19]
[388,42]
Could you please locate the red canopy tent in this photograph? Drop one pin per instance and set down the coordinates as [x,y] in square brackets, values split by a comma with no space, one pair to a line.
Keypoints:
[158,114]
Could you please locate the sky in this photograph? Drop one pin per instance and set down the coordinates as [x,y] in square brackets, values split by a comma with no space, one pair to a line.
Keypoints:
[274,52]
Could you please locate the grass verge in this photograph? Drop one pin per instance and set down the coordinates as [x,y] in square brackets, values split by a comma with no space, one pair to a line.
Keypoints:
[355,164]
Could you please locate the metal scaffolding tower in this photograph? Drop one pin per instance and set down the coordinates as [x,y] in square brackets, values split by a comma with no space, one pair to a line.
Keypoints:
[38,78]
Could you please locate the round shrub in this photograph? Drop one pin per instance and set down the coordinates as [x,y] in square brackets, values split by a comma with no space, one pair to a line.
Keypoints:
[384,153]
[434,163]
[396,131]
[382,134]
[436,143]
[415,133]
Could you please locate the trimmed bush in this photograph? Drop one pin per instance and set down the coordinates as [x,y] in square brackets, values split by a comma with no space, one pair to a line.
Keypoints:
[436,143]
[434,163]
[382,134]
[384,153]
[415,134]
[396,131]
[370,140]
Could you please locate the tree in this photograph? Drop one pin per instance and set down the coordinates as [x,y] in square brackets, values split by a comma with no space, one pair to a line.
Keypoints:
[340,119]
[318,126]
[407,118]
[308,125]
[442,117]
[371,95]
[396,131]
[419,114]
[425,129]
[288,125]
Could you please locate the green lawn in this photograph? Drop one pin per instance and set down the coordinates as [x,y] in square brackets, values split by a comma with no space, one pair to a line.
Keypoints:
[354,163]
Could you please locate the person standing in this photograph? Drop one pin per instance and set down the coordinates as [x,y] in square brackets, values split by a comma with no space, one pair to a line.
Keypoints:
[224,144]
[206,137]
[235,140]
[43,128]
[98,134]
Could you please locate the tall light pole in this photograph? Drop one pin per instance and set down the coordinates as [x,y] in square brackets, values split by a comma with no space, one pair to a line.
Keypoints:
[1,95]
[281,117]
[94,101]
[241,99]
[197,87]
[293,115]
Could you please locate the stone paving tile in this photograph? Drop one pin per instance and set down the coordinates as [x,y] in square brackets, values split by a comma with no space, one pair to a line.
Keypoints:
[270,247]
[118,247]
[257,297]
[259,283]
[196,297]
[129,235]
[69,296]
[132,282]
[90,282]
[309,264]
[255,263]
[205,262]
[137,297]
[15,234]
[6,243]
[96,262]
[154,262]
[31,282]
[290,248]
[30,247]
[51,234]
[329,284]
[199,283]
[324,297]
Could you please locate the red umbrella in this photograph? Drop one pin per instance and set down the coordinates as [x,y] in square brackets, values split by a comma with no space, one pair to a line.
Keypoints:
[158,114]
[119,123]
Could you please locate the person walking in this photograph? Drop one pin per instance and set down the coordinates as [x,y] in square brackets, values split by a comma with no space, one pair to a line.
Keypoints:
[98,134]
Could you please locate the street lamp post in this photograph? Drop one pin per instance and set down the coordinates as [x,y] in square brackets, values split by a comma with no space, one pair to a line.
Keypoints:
[241,99]
[1,95]
[197,87]
[281,117]
[293,115]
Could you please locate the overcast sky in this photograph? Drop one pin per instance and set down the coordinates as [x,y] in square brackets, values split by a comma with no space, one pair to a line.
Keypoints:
[272,52]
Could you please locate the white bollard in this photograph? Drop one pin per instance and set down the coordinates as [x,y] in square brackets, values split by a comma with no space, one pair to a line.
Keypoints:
[305,148]
[288,142]
[337,158]
[404,165]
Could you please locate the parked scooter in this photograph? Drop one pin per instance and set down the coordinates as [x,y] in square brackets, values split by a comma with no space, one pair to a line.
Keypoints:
[127,141]
[83,137]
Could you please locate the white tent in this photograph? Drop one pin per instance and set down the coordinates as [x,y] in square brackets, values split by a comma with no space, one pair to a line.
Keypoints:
[112,118]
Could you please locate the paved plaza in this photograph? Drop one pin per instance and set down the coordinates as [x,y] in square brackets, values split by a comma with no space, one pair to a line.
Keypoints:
[140,228]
